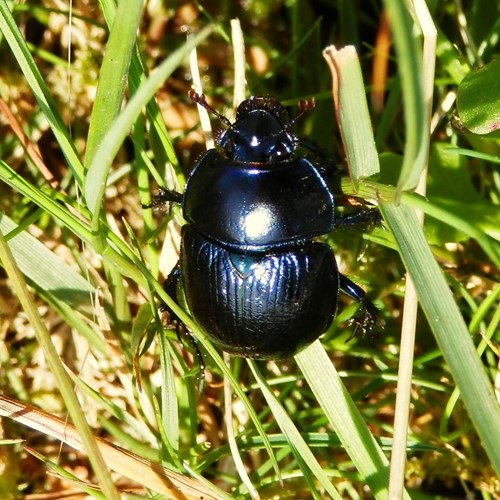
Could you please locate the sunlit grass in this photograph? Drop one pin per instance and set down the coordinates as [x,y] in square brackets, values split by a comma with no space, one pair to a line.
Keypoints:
[95,272]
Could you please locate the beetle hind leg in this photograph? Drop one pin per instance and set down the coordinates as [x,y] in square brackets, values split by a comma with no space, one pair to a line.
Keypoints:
[183,336]
[366,319]
[171,286]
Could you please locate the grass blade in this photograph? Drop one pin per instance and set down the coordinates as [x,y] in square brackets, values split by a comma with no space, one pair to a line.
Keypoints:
[95,182]
[35,80]
[410,73]
[343,414]
[113,73]
[58,370]
[352,112]
[448,327]
[298,445]
[48,270]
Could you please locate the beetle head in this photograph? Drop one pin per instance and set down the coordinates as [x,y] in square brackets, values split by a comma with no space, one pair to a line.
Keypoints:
[261,130]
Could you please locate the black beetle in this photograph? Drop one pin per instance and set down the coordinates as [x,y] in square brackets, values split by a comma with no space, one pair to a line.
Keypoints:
[250,270]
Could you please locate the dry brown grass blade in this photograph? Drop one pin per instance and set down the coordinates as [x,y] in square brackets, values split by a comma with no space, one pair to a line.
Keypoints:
[147,473]
[31,149]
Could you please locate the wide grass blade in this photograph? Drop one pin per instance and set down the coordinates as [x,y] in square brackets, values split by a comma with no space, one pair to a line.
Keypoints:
[57,368]
[47,269]
[346,419]
[353,116]
[448,327]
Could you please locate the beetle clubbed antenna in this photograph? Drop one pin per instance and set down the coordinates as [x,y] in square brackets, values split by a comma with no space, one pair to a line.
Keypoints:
[202,101]
[305,105]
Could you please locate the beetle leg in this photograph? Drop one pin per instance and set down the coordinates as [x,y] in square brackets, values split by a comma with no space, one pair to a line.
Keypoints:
[184,334]
[367,318]
[365,217]
[171,286]
[163,198]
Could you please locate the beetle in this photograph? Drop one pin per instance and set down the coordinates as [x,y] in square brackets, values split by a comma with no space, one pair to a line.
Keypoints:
[251,269]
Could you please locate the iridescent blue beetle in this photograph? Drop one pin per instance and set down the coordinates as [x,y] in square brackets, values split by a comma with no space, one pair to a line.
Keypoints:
[250,269]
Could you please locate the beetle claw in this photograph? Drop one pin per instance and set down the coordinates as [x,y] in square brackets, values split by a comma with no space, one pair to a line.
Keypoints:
[367,321]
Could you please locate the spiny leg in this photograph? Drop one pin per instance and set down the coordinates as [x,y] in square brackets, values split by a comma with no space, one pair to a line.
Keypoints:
[366,319]
[163,198]
[171,287]
[366,217]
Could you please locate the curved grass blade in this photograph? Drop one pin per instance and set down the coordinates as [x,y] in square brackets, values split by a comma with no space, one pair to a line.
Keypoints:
[95,182]
[410,73]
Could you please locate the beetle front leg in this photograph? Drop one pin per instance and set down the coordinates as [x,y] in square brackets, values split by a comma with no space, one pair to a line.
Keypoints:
[367,318]
[163,198]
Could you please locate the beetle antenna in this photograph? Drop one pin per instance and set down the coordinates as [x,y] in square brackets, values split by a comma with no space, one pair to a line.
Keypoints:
[202,101]
[304,106]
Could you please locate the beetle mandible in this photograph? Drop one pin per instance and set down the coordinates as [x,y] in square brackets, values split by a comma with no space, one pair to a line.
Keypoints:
[250,269]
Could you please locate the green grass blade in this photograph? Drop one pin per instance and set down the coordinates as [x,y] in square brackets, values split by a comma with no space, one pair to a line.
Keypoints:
[217,359]
[353,116]
[484,231]
[448,326]
[345,417]
[116,250]
[297,443]
[63,473]
[410,73]
[113,73]
[95,182]
[57,368]
[48,270]
[159,137]
[454,218]
[169,403]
